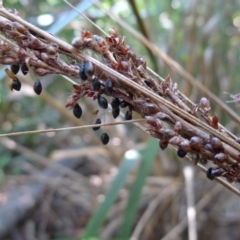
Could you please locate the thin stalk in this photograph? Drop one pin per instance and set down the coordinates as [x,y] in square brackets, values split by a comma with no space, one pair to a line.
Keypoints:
[143,30]
[69,128]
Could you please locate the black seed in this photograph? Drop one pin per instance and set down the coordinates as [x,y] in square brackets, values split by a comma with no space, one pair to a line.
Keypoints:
[97,38]
[217,172]
[82,73]
[147,83]
[128,115]
[108,87]
[208,147]
[115,112]
[115,103]
[98,121]
[209,174]
[77,111]
[220,157]
[96,84]
[105,138]
[102,102]
[33,33]
[37,87]
[15,68]
[88,69]
[16,84]
[181,153]
[163,144]
[24,69]
[123,103]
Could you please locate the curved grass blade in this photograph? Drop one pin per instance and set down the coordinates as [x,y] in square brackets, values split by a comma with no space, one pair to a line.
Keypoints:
[129,163]
[148,156]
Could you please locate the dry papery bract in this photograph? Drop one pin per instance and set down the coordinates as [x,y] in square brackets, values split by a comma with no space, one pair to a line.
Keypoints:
[43,56]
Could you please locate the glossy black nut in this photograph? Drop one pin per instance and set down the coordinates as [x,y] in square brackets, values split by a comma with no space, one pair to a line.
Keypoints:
[209,174]
[96,84]
[102,102]
[196,143]
[147,83]
[115,112]
[163,144]
[185,145]
[16,84]
[128,115]
[98,39]
[115,103]
[123,103]
[24,69]
[15,68]
[217,172]
[77,42]
[82,73]
[77,111]
[220,157]
[33,33]
[214,172]
[181,153]
[108,87]
[37,87]
[88,69]
[98,121]
[104,138]
[204,103]
[216,143]
[152,108]
[208,147]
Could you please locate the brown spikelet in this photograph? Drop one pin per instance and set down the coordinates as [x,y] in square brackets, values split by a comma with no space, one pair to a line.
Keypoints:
[171,117]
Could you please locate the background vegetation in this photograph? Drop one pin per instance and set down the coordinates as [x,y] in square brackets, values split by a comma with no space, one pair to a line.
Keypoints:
[145,196]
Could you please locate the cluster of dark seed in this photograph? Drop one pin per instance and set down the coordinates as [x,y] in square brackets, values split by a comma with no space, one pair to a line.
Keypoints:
[202,148]
[43,58]
[15,82]
[97,89]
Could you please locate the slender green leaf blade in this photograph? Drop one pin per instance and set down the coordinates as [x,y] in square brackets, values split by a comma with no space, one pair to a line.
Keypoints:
[130,161]
[148,156]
